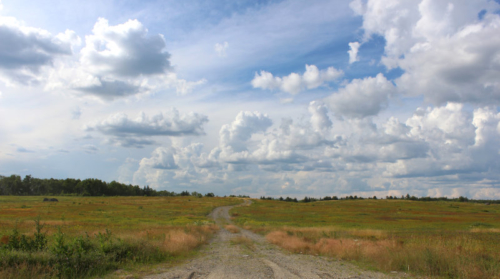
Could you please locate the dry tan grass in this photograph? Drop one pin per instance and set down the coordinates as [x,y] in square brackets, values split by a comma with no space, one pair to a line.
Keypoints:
[57,223]
[367,233]
[456,255]
[232,228]
[241,240]
[178,241]
[24,270]
[317,233]
[182,240]
[4,239]
[174,240]
[289,242]
[245,241]
[490,230]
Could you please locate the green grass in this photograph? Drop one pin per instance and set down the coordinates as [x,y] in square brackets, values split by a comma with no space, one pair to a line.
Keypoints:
[435,239]
[127,214]
[399,215]
[89,236]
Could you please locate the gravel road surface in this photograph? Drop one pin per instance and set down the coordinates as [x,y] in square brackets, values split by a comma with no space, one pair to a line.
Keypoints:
[228,256]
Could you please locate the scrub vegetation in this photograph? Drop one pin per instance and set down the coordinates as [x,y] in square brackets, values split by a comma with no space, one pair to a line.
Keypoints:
[87,236]
[435,238]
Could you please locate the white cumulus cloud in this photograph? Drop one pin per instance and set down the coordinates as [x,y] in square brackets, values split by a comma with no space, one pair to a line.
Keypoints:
[124,50]
[447,52]
[362,97]
[27,50]
[221,49]
[246,123]
[119,61]
[136,132]
[353,52]
[295,83]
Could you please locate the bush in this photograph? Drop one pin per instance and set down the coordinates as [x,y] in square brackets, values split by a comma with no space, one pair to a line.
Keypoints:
[66,257]
[20,242]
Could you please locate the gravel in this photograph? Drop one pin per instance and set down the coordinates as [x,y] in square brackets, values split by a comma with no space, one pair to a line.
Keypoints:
[222,258]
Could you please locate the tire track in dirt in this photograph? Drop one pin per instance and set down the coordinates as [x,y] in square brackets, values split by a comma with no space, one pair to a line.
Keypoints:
[225,258]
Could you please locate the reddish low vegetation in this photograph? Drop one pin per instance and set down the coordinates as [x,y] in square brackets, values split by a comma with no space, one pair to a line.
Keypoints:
[232,228]
[443,239]
[459,255]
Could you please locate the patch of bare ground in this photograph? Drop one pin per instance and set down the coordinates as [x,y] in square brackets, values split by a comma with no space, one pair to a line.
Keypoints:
[244,254]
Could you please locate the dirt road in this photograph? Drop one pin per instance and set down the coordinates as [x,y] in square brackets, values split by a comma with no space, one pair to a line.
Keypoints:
[248,255]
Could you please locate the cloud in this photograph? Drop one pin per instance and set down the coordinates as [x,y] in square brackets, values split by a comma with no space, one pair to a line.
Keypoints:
[170,123]
[157,170]
[111,89]
[234,135]
[24,150]
[233,138]
[130,132]
[129,142]
[353,52]
[447,53]
[161,158]
[362,97]
[174,165]
[460,143]
[182,86]
[76,113]
[90,149]
[280,147]
[448,124]
[272,152]
[28,50]
[119,61]
[295,83]
[221,49]
[124,50]
[319,116]
[436,144]
[487,124]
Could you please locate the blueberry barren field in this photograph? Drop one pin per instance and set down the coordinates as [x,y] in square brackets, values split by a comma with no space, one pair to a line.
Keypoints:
[92,236]
[239,253]
[190,237]
[432,239]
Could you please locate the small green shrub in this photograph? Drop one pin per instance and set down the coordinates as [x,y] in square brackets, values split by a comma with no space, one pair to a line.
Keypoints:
[28,244]
[75,257]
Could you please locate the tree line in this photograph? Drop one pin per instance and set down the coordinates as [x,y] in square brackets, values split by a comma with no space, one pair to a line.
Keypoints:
[30,186]
[407,197]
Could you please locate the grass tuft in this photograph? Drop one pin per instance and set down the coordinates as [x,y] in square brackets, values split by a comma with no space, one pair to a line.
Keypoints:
[429,239]
[91,236]
[232,228]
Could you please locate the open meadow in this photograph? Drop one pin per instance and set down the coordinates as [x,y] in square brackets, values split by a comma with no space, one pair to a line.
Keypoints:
[437,238]
[85,236]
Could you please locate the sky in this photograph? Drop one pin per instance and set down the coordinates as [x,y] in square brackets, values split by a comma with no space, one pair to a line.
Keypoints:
[261,98]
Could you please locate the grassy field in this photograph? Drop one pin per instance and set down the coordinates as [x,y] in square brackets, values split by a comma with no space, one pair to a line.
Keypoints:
[443,239]
[85,236]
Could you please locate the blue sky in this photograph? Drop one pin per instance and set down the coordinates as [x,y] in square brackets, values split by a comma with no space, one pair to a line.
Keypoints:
[275,98]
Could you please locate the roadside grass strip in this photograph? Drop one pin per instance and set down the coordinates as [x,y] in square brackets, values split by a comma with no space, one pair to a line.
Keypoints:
[91,236]
[436,239]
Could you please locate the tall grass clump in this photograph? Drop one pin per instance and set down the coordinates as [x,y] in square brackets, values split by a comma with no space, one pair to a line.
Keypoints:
[433,239]
[443,254]
[59,255]
[232,228]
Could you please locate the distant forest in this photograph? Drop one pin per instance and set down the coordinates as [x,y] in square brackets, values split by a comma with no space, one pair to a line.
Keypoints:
[30,186]
[407,197]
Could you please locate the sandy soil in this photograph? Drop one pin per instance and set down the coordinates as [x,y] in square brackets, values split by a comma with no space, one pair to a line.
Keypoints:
[226,257]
